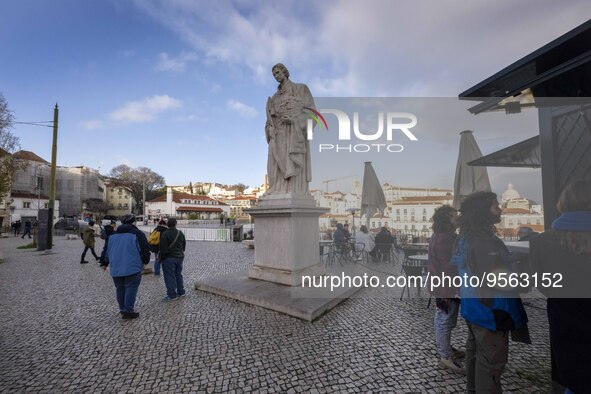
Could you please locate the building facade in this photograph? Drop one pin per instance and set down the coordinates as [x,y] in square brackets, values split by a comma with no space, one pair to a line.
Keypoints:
[118,197]
[185,206]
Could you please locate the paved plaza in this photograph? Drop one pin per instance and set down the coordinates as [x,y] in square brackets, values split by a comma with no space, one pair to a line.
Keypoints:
[60,331]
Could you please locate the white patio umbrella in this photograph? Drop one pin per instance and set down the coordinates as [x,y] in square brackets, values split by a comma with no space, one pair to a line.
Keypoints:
[372,194]
[469,179]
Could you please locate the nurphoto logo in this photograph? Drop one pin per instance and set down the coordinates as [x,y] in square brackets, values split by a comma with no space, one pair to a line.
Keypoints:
[394,121]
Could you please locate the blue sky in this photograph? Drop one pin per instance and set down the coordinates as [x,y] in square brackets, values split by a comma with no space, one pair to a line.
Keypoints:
[180,86]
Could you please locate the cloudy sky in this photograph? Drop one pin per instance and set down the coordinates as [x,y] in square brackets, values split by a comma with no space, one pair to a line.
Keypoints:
[180,85]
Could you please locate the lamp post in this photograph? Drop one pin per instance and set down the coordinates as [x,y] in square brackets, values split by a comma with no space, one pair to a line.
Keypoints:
[353,210]
[51,204]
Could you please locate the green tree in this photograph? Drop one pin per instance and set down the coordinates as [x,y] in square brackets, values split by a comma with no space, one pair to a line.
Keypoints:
[9,143]
[139,179]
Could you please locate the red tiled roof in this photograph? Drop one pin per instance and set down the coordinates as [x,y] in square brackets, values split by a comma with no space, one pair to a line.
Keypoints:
[198,209]
[27,155]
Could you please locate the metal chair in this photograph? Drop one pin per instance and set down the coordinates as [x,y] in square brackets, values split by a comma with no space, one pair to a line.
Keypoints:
[326,254]
[384,252]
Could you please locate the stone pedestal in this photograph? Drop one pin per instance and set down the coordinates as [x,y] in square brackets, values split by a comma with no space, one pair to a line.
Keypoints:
[286,239]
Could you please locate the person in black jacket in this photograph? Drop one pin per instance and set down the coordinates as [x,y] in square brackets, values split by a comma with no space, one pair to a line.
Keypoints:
[564,253]
[384,242]
[172,254]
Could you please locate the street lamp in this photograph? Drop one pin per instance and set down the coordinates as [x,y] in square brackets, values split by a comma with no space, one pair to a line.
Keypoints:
[353,210]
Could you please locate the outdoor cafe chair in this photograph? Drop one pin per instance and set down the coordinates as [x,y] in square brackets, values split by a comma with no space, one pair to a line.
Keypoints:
[341,252]
[415,265]
[326,253]
[384,252]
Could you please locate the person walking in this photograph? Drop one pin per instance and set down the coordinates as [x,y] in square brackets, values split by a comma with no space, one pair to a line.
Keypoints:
[565,252]
[445,220]
[172,254]
[28,227]
[490,313]
[126,251]
[89,242]
[154,241]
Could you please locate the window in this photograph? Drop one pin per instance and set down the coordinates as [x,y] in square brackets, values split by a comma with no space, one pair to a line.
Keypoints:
[46,205]
[125,206]
[26,204]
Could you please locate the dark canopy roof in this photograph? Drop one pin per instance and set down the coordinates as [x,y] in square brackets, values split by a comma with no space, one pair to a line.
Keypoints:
[547,72]
[523,154]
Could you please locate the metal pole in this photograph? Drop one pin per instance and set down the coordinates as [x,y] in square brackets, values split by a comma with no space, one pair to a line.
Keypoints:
[51,204]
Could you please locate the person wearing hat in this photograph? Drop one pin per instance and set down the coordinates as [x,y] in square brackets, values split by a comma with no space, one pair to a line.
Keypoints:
[155,244]
[126,251]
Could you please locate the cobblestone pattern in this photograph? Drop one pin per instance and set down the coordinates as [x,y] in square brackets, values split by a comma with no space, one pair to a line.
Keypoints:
[60,331]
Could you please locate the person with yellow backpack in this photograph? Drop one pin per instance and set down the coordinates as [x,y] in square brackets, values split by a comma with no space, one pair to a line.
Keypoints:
[154,241]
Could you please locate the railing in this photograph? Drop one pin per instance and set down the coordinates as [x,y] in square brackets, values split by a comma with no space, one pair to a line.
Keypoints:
[220,234]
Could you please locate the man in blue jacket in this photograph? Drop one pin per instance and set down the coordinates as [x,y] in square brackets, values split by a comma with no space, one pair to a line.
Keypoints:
[126,251]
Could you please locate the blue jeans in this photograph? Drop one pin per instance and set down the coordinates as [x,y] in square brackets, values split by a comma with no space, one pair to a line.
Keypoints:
[173,276]
[126,288]
[445,322]
[156,264]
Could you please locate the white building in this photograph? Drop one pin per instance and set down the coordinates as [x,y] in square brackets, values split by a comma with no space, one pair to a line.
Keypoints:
[182,205]
[25,206]
[413,214]
[238,204]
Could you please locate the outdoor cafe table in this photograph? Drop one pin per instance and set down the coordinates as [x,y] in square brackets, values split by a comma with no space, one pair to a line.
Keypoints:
[419,260]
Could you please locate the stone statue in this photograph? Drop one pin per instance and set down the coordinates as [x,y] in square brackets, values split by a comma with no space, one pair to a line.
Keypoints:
[288,164]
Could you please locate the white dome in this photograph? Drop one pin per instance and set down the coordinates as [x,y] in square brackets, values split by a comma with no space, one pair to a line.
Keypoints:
[509,194]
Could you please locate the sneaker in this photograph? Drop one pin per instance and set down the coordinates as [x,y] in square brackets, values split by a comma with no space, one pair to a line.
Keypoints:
[84,262]
[181,295]
[453,365]
[130,315]
[458,354]
[168,299]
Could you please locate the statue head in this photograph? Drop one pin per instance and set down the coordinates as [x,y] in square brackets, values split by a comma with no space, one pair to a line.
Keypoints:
[281,67]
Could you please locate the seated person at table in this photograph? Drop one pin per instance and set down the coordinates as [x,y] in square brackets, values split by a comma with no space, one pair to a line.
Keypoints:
[525,233]
[384,241]
[347,232]
[340,239]
[367,239]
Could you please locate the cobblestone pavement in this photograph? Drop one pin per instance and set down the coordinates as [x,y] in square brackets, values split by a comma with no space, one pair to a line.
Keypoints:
[60,331]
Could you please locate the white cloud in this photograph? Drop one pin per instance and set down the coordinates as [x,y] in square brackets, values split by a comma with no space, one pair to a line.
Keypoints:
[383,48]
[92,124]
[243,109]
[177,64]
[145,110]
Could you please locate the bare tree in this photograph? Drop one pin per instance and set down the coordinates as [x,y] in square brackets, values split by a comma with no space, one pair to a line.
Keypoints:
[139,180]
[9,143]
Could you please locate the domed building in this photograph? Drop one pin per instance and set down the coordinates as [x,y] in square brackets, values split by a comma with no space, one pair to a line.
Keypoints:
[509,194]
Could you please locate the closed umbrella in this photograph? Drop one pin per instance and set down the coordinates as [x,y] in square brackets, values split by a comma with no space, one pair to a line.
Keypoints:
[469,179]
[373,199]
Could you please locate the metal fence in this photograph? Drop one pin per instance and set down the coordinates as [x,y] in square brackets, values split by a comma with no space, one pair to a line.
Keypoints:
[221,234]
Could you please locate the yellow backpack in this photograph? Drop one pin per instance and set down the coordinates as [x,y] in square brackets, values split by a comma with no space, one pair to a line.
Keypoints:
[154,238]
